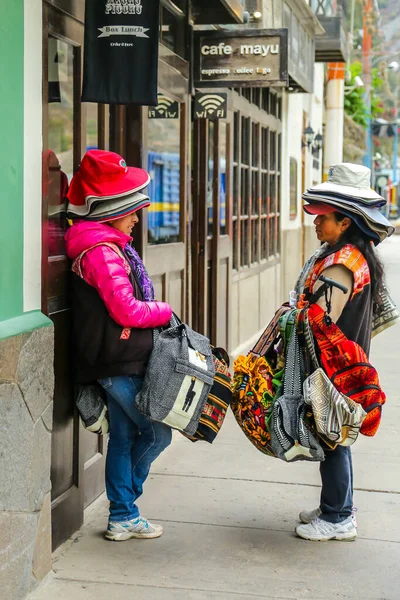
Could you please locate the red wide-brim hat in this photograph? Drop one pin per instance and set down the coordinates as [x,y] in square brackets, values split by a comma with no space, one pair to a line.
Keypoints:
[319,208]
[103,174]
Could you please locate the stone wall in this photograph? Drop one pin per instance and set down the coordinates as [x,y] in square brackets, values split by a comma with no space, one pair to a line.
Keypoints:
[354,141]
[26,414]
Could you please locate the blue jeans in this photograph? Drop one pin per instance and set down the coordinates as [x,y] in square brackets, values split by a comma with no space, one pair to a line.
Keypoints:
[134,443]
[337,485]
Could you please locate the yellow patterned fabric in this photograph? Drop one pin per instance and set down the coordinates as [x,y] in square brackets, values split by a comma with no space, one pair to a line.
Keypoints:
[254,388]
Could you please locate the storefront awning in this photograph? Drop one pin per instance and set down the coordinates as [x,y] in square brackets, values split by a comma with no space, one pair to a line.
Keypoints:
[217,12]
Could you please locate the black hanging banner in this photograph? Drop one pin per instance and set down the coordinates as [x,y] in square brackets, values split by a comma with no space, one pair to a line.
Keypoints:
[121,52]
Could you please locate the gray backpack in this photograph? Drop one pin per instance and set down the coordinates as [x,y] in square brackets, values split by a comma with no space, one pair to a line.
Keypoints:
[178,379]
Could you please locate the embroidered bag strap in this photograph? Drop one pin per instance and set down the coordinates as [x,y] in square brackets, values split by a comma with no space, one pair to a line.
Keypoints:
[326,336]
[309,340]
[268,337]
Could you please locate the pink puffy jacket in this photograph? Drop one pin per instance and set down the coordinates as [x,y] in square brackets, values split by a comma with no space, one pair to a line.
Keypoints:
[104,270]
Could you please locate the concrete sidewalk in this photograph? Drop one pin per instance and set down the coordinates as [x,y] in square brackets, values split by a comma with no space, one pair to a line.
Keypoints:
[229,514]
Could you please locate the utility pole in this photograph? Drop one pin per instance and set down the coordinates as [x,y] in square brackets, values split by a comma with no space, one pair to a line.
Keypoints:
[367,75]
[394,209]
[396,133]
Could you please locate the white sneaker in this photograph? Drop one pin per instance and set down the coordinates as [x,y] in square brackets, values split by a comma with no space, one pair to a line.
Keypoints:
[322,531]
[119,531]
[309,516]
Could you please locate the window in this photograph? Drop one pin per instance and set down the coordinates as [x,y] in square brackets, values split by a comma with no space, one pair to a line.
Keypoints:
[58,159]
[301,45]
[217,137]
[256,178]
[222,182]
[173,30]
[210,181]
[164,166]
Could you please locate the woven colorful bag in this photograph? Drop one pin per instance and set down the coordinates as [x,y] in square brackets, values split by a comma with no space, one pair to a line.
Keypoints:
[218,401]
[256,381]
[348,368]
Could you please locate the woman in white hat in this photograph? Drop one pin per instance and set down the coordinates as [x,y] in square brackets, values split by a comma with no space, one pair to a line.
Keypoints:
[348,257]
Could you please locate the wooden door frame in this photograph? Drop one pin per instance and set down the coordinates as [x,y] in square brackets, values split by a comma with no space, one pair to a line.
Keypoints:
[215,242]
[303,189]
[88,473]
[61,26]
[210,249]
[199,225]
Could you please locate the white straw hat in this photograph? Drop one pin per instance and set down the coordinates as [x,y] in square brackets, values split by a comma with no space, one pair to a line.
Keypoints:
[349,180]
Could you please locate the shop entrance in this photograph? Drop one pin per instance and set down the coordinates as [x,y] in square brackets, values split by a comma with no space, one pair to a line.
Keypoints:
[165,224]
[69,128]
[211,242]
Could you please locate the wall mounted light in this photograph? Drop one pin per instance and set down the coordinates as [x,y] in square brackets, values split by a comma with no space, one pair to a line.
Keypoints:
[309,135]
[318,142]
[252,17]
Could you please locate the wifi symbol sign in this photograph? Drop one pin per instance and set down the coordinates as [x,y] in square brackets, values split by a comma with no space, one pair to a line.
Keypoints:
[211,102]
[208,106]
[165,109]
[164,104]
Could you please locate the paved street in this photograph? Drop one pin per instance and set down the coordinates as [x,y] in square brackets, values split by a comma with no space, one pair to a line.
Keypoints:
[229,514]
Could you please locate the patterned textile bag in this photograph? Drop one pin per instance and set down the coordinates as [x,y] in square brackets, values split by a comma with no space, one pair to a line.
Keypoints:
[178,379]
[348,368]
[218,401]
[291,436]
[338,419]
[385,314]
[256,380]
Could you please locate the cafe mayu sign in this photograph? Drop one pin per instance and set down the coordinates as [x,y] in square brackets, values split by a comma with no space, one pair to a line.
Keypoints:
[256,58]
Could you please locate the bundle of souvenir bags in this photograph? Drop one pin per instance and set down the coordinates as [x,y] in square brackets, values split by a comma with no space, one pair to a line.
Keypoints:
[305,386]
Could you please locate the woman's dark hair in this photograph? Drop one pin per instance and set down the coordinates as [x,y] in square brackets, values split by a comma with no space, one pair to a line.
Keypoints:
[354,235]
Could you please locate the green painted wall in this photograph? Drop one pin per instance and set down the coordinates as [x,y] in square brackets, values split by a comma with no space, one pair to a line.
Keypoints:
[11,157]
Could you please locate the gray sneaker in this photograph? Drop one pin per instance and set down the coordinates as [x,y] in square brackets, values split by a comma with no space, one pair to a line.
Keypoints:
[309,516]
[119,531]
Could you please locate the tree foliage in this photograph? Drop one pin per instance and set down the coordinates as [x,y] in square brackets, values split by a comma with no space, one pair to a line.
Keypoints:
[354,102]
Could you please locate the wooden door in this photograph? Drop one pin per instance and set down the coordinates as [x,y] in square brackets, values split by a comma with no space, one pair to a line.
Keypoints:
[211,239]
[77,470]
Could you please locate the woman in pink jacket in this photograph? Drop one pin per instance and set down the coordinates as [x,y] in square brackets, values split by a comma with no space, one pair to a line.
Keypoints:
[114,313]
